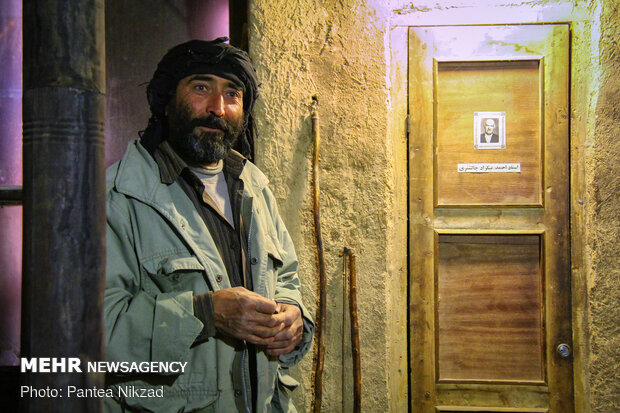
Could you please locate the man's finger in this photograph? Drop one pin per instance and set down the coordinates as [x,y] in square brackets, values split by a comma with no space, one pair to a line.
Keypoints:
[290,340]
[279,344]
[285,334]
[262,319]
[259,341]
[279,352]
[264,305]
[262,331]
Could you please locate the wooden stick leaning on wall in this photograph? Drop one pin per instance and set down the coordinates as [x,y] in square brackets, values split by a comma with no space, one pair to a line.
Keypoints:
[319,354]
[345,316]
[355,336]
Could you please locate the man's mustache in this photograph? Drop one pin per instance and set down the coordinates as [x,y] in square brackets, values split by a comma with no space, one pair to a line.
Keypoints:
[212,122]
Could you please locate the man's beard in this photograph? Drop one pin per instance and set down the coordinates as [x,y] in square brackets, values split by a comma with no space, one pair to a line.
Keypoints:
[201,147]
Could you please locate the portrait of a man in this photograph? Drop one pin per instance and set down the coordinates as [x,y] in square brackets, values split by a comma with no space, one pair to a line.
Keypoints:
[489,135]
[489,130]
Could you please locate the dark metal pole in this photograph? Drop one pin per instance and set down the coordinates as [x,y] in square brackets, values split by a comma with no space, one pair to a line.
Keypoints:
[64,196]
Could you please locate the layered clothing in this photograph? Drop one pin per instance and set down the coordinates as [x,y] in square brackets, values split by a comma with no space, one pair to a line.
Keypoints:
[160,254]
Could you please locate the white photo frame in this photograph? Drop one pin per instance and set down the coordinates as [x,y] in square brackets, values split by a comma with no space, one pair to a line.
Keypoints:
[485,122]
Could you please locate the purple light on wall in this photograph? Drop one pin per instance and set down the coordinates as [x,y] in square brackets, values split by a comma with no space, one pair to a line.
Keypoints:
[207,19]
[10,174]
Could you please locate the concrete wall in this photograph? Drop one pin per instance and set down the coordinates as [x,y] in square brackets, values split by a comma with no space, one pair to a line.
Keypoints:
[351,55]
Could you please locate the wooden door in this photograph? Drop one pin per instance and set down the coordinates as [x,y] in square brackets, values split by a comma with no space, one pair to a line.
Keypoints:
[490,319]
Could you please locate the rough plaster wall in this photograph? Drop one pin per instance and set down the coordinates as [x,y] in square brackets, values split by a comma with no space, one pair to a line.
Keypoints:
[603,214]
[335,51]
[584,75]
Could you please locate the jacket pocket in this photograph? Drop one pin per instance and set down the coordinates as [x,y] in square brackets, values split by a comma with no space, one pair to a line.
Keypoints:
[273,251]
[272,261]
[176,273]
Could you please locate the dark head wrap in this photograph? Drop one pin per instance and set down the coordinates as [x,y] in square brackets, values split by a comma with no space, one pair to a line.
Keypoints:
[214,57]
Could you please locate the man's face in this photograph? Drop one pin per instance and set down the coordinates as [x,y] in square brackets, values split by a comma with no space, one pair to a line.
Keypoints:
[205,118]
[489,126]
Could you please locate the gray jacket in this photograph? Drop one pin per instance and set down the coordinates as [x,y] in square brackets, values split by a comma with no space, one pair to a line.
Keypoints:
[159,253]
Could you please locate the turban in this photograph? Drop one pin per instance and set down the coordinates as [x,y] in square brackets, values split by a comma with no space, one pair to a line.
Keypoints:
[214,57]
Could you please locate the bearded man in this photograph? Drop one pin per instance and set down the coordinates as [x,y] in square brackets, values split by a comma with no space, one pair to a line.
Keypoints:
[201,271]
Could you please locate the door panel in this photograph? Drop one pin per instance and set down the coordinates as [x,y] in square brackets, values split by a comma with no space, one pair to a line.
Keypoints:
[489,282]
[489,301]
[464,88]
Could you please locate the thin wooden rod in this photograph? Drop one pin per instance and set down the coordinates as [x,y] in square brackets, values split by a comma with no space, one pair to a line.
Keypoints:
[319,355]
[355,336]
[345,299]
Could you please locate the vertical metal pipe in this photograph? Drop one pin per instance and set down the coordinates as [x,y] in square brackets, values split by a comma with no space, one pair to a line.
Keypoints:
[64,195]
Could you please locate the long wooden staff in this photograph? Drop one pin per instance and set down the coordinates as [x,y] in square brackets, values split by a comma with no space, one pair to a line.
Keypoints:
[319,355]
[355,335]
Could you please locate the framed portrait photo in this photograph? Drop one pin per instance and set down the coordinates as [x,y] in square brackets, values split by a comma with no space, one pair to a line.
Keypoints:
[489,130]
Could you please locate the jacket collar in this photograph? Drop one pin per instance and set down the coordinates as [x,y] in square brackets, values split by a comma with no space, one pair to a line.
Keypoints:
[138,175]
[171,165]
